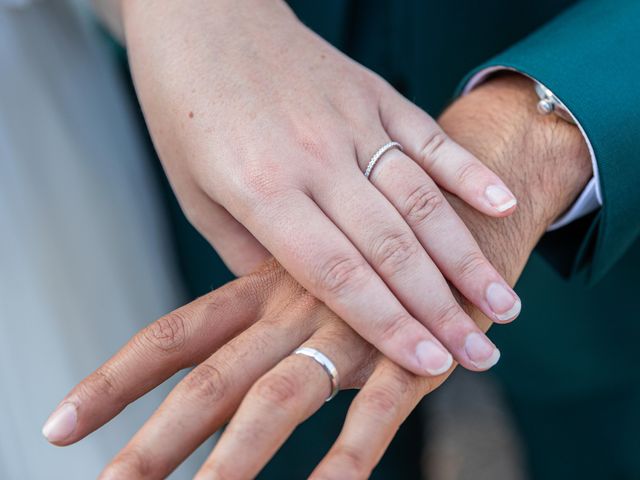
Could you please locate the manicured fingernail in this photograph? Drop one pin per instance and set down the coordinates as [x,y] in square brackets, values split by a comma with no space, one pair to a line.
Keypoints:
[61,423]
[500,198]
[482,353]
[504,303]
[433,358]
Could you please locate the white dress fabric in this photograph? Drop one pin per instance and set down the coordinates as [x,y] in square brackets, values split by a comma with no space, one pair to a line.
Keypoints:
[84,257]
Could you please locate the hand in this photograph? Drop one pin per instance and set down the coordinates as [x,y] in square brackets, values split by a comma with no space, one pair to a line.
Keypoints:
[251,374]
[208,395]
[264,130]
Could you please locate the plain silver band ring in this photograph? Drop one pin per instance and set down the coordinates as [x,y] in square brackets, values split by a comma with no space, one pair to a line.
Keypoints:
[326,364]
[378,155]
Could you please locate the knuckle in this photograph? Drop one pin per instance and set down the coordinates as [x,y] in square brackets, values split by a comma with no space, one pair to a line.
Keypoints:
[130,463]
[399,380]
[350,462]
[445,315]
[422,204]
[470,264]
[206,383]
[278,389]
[393,327]
[317,150]
[102,383]
[379,402]
[392,251]
[269,273]
[166,335]
[469,173]
[432,145]
[258,180]
[335,275]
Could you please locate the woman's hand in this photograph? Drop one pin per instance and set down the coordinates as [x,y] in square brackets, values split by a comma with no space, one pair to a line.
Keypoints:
[265,130]
[251,377]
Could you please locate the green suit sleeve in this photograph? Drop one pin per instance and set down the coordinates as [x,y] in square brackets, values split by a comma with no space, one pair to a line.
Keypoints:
[589,56]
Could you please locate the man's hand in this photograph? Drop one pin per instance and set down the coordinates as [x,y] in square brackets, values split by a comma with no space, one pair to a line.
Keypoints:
[240,339]
[547,163]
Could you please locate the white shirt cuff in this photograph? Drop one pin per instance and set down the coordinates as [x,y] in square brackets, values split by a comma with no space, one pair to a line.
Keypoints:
[591,197]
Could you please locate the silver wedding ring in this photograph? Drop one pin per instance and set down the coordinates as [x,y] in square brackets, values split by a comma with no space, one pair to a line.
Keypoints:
[378,155]
[326,364]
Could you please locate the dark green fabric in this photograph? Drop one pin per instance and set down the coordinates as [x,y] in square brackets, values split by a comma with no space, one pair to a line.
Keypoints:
[590,58]
[569,363]
[593,437]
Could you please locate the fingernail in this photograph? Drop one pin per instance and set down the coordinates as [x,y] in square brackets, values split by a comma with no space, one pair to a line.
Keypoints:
[482,353]
[433,358]
[500,198]
[61,423]
[504,303]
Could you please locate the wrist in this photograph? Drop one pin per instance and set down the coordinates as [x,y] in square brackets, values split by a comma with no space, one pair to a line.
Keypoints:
[543,159]
[515,139]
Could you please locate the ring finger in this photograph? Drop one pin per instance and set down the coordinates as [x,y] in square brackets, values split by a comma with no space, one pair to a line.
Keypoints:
[282,399]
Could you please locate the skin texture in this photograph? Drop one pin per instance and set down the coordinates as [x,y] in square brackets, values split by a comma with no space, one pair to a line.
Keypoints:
[545,160]
[264,131]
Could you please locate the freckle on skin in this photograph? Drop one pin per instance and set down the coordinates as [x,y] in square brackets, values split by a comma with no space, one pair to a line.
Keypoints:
[190,114]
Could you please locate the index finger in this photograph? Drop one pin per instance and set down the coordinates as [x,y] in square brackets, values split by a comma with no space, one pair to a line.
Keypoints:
[175,341]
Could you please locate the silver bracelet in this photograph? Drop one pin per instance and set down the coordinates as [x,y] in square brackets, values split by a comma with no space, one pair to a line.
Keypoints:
[549,103]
